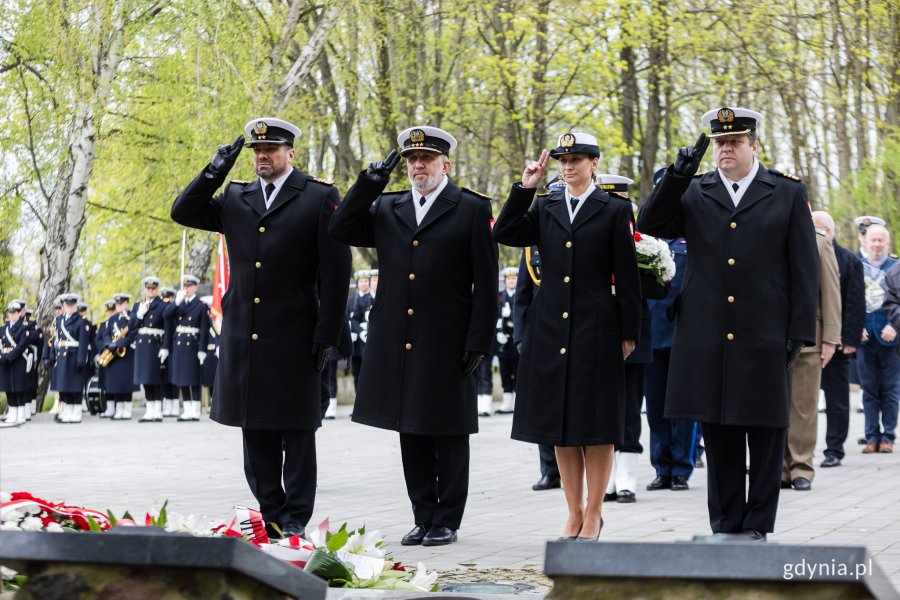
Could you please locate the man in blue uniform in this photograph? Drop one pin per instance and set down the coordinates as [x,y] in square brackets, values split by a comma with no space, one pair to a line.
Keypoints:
[15,338]
[358,308]
[70,355]
[36,349]
[170,403]
[146,332]
[190,318]
[506,352]
[120,370]
[99,337]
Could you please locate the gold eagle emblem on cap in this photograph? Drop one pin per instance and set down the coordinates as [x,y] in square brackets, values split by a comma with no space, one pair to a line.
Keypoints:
[567,140]
[725,115]
[260,129]
[417,136]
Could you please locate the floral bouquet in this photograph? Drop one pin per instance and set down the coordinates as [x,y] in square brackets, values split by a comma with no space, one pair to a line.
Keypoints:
[654,257]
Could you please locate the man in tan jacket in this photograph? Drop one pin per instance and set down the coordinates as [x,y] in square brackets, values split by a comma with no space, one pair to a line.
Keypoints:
[806,376]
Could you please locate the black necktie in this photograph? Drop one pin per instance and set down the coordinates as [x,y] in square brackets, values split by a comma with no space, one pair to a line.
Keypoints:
[422,201]
[735,186]
[269,189]
[574,202]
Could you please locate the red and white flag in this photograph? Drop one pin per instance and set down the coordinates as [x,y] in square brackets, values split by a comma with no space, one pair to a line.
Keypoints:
[220,285]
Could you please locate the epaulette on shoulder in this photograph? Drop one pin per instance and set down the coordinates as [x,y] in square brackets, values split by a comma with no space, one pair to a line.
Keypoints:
[320,180]
[892,255]
[701,174]
[240,182]
[618,197]
[394,193]
[788,175]
[543,194]
[479,194]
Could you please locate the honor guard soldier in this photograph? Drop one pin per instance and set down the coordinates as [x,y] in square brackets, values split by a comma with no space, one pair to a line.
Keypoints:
[110,306]
[146,332]
[71,355]
[36,348]
[171,407]
[358,308]
[506,353]
[190,318]
[283,310]
[92,351]
[211,364]
[15,339]
[417,377]
[49,356]
[118,355]
[748,306]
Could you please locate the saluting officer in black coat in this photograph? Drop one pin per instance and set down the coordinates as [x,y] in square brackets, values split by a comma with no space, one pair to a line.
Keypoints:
[747,307]
[146,332]
[189,318]
[282,311]
[579,332]
[423,347]
[70,355]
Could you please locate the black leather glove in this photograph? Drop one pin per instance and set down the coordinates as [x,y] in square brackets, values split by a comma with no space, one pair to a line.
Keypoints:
[688,160]
[225,157]
[471,360]
[793,351]
[380,171]
[320,351]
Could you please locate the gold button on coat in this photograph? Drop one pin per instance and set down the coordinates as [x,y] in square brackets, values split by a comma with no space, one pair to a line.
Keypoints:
[733,225]
[568,244]
[730,336]
[258,264]
[565,315]
[567,279]
[415,242]
[410,311]
[562,350]
[262,229]
[412,276]
[256,301]
[730,261]
[408,346]
[254,336]
[731,298]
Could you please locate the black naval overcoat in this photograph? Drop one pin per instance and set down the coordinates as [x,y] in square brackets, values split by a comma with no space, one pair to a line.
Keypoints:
[752,283]
[436,300]
[188,335]
[146,334]
[120,372]
[211,364]
[70,352]
[36,348]
[14,341]
[288,290]
[571,380]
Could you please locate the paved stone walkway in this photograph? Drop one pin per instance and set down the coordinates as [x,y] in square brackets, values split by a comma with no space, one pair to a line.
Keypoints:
[198,468]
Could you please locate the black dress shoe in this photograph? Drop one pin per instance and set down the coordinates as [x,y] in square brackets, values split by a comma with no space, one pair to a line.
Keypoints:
[754,535]
[610,497]
[626,496]
[679,483]
[439,536]
[291,529]
[273,533]
[801,484]
[415,536]
[662,482]
[862,441]
[831,461]
[546,482]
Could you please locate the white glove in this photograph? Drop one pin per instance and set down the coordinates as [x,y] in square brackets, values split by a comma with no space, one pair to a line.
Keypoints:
[97,360]
[217,352]
[367,314]
[505,311]
[364,326]
[363,335]
[163,355]
[353,336]
[29,360]
[141,311]
[201,356]
[179,297]
[502,337]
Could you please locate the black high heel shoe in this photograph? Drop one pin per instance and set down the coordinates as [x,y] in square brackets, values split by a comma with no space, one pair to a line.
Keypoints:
[590,539]
[569,538]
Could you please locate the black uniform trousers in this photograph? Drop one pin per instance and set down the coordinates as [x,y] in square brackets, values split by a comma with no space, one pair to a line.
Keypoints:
[634,396]
[732,507]
[671,440]
[436,469]
[549,467]
[153,391]
[508,369]
[836,385]
[271,455]
[189,392]
[485,377]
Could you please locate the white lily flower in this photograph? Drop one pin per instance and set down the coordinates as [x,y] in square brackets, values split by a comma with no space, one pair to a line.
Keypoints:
[54,527]
[6,573]
[31,524]
[365,545]
[13,516]
[9,526]
[423,579]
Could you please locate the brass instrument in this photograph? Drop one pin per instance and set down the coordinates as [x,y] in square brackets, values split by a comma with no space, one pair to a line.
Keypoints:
[107,355]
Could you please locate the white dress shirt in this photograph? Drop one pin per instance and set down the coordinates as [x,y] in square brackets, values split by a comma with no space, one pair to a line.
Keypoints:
[581,198]
[743,184]
[278,183]
[422,210]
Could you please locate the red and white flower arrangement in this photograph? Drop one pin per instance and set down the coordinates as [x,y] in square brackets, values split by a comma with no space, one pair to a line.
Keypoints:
[654,257]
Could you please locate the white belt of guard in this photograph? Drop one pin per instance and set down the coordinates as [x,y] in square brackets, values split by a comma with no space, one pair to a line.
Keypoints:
[186,329]
[150,331]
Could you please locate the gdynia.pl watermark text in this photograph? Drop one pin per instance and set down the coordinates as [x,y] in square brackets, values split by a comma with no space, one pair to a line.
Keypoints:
[815,570]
